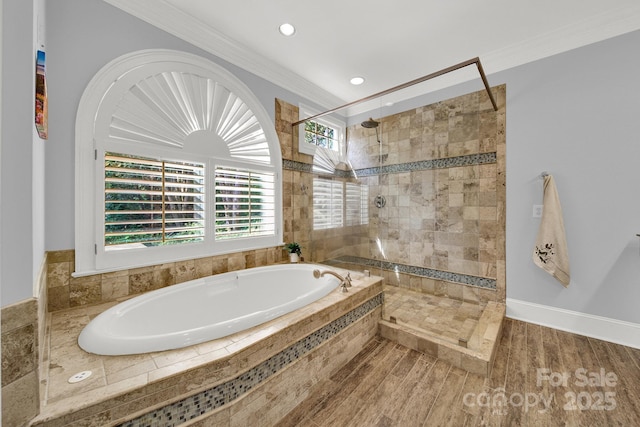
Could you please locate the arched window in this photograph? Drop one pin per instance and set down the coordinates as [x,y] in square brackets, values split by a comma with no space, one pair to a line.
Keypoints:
[175,159]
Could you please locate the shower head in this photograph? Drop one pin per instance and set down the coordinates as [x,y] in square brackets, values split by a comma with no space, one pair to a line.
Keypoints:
[370,123]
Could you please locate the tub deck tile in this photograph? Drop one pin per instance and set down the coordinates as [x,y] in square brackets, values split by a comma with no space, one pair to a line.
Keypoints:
[123,385]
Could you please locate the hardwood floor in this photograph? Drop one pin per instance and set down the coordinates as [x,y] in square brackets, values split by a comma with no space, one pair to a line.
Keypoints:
[540,377]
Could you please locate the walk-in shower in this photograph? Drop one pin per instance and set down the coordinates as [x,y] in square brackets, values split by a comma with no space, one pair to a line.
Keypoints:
[440,170]
[435,224]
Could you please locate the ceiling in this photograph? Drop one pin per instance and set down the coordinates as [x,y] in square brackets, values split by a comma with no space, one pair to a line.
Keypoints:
[386,42]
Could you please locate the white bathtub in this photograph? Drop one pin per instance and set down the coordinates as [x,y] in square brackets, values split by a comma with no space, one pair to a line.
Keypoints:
[204,309]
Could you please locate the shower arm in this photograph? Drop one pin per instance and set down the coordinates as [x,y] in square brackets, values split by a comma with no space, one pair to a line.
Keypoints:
[411,83]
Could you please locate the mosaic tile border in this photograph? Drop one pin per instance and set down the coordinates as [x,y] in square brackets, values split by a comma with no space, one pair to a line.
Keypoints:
[292,165]
[215,397]
[481,282]
[447,162]
[305,167]
[443,163]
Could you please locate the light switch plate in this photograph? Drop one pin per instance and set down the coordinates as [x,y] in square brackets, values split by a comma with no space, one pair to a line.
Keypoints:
[537,211]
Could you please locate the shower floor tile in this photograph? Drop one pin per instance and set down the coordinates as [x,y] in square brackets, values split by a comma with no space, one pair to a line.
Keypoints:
[449,319]
[459,332]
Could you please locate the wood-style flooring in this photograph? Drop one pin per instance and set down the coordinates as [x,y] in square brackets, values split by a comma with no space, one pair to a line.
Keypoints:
[540,377]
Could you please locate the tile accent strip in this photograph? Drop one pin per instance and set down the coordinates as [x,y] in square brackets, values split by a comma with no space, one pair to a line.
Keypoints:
[481,282]
[292,165]
[305,167]
[215,397]
[447,162]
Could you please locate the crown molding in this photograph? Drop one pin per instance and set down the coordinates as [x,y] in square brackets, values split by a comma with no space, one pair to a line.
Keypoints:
[165,16]
[182,25]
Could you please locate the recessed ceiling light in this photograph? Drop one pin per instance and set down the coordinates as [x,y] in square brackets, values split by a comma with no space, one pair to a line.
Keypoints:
[357,80]
[287,29]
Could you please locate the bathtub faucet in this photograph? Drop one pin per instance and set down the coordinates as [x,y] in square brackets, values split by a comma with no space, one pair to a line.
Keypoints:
[345,281]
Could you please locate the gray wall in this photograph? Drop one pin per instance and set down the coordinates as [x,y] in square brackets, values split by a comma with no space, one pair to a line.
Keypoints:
[83,36]
[22,177]
[574,115]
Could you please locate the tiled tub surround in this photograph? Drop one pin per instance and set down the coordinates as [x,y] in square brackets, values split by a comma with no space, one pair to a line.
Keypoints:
[65,291]
[123,388]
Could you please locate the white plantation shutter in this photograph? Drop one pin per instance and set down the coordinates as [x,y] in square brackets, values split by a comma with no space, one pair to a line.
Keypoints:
[245,203]
[152,202]
[357,211]
[337,203]
[327,203]
[152,127]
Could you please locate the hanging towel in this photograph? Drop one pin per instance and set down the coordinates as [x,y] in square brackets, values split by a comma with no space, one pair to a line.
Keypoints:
[550,252]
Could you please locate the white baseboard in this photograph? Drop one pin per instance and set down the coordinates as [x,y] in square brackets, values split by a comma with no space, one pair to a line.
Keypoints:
[604,328]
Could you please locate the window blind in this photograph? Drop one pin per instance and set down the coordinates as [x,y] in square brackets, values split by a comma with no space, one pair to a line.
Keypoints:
[327,203]
[152,202]
[244,203]
[357,207]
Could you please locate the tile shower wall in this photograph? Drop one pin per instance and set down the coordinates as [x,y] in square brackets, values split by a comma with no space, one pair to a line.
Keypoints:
[297,181]
[441,169]
[317,245]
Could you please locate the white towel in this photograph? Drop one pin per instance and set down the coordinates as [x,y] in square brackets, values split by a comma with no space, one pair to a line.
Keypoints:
[550,252]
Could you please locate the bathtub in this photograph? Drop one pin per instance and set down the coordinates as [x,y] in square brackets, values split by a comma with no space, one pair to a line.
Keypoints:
[204,309]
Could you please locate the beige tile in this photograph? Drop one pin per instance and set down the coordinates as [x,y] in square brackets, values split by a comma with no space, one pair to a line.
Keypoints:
[114,287]
[58,386]
[20,400]
[19,357]
[19,314]
[171,357]
[119,368]
[58,274]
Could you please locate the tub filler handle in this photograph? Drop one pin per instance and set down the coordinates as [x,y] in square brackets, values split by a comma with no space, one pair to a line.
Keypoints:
[345,281]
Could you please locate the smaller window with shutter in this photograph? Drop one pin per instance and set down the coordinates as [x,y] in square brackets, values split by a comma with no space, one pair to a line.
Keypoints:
[337,204]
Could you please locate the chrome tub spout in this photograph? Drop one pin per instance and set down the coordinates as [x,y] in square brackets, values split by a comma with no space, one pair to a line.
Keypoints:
[345,282]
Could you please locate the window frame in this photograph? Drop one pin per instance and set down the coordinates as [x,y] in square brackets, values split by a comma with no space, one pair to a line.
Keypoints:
[92,141]
[329,121]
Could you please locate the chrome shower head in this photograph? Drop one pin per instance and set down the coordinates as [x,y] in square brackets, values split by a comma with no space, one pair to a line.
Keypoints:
[370,123]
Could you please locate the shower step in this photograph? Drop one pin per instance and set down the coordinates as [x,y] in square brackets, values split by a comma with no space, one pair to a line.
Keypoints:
[476,357]
[461,336]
